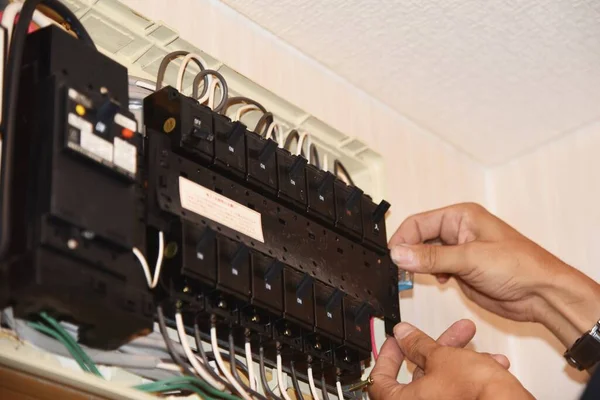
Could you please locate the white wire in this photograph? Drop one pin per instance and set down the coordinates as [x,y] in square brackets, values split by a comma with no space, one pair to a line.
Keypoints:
[192,357]
[275,127]
[325,166]
[152,282]
[244,109]
[183,67]
[250,365]
[213,339]
[311,384]
[300,143]
[10,13]
[340,392]
[280,380]
[168,367]
[212,92]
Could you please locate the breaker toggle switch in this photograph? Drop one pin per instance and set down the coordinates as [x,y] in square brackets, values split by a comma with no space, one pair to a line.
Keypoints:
[379,212]
[198,132]
[352,199]
[303,286]
[207,239]
[296,168]
[273,271]
[267,152]
[362,314]
[240,257]
[326,186]
[106,115]
[334,301]
[237,132]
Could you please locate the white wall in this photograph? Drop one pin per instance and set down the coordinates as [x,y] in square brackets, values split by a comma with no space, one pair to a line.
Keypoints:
[553,196]
[422,172]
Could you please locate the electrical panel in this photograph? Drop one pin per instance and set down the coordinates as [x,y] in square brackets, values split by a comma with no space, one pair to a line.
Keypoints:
[250,238]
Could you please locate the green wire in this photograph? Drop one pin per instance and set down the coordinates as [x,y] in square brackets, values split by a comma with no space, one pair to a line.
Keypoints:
[180,380]
[60,330]
[50,332]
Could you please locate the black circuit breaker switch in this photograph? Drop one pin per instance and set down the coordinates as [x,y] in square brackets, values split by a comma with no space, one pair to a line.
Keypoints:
[320,193]
[230,145]
[292,179]
[299,298]
[199,254]
[188,124]
[262,162]
[234,268]
[356,320]
[267,283]
[329,318]
[348,208]
[374,222]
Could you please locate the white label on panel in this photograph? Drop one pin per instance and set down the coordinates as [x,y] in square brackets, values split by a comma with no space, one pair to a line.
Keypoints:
[96,145]
[125,155]
[220,209]
[79,123]
[126,122]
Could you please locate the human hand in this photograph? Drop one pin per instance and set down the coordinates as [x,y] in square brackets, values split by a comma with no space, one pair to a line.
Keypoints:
[449,373]
[498,268]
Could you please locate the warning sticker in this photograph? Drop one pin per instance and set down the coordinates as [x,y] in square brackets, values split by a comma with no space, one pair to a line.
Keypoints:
[220,209]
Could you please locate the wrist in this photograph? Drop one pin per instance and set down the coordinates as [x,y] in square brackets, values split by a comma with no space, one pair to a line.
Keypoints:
[571,304]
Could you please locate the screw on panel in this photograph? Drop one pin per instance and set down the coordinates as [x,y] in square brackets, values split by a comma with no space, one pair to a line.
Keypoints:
[171,249]
[287,332]
[318,346]
[186,289]
[89,235]
[179,304]
[169,125]
[103,90]
[72,244]
[255,318]
[222,304]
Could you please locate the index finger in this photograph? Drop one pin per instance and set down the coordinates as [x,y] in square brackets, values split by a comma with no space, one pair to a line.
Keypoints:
[385,372]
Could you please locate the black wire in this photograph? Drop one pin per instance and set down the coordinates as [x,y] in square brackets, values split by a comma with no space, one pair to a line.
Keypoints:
[224,87]
[324,388]
[70,18]
[290,139]
[160,75]
[263,123]
[234,371]
[11,100]
[217,377]
[170,348]
[263,376]
[295,382]
[241,99]
[337,167]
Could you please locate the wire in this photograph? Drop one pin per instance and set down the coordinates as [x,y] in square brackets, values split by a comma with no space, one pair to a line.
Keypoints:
[311,383]
[203,355]
[160,75]
[62,332]
[162,326]
[325,166]
[223,368]
[250,364]
[10,13]
[292,134]
[267,118]
[12,80]
[300,144]
[201,369]
[184,63]
[221,79]
[339,167]
[314,155]
[244,109]
[373,341]
[51,332]
[263,376]
[280,380]
[246,100]
[71,19]
[338,386]
[275,128]
[236,375]
[152,282]
[295,382]
[324,388]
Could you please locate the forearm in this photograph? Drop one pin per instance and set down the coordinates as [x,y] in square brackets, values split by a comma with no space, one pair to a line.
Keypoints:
[573,305]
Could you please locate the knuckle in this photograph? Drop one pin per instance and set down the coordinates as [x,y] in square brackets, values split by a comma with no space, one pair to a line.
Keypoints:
[430,256]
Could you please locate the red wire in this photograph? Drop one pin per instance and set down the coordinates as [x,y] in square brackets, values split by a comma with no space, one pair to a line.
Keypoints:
[373,343]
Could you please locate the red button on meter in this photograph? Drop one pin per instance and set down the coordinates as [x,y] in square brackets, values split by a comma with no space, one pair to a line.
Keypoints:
[127,133]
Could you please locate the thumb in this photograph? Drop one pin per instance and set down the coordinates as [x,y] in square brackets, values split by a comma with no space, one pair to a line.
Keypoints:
[432,259]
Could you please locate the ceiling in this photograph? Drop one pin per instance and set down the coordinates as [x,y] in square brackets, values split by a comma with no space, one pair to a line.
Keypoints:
[495,78]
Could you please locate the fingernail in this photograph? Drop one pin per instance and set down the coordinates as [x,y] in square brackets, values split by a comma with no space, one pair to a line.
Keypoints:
[402,330]
[403,256]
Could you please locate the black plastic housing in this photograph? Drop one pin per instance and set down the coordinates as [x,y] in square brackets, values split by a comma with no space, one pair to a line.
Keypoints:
[310,274]
[80,202]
